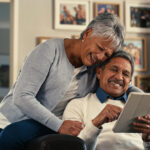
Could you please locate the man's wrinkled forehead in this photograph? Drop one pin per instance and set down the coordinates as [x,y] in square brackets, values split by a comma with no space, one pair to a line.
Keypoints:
[114,63]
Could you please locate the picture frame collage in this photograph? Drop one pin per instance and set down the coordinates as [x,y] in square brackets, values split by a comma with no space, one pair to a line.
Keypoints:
[75,15]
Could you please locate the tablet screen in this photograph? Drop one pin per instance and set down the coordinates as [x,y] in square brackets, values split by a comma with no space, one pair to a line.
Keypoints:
[138,104]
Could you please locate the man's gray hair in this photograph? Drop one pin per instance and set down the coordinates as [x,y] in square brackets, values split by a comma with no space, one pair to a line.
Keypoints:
[122,54]
[108,27]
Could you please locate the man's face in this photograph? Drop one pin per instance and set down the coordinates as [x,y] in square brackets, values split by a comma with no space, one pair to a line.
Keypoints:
[95,50]
[115,77]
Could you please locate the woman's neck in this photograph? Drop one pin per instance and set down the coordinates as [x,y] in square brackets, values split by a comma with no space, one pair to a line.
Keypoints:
[73,48]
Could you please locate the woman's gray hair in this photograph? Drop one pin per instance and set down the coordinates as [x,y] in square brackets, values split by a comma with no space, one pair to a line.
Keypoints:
[108,27]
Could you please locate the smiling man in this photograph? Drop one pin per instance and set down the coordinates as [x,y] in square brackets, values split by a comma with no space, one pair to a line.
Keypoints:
[116,76]
[98,111]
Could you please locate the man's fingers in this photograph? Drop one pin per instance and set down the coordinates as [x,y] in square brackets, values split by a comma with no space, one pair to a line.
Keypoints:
[144,119]
[142,130]
[108,114]
[111,116]
[147,116]
[141,125]
[113,108]
[113,113]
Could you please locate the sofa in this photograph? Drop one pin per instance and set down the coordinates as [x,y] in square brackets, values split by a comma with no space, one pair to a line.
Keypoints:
[56,142]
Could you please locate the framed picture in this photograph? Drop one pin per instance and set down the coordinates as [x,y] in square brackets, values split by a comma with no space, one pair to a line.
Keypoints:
[72,15]
[42,39]
[108,7]
[136,46]
[143,82]
[138,17]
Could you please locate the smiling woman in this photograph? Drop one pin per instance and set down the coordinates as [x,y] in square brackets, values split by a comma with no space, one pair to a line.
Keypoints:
[97,49]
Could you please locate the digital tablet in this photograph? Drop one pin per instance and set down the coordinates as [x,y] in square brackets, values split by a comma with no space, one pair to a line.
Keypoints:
[138,104]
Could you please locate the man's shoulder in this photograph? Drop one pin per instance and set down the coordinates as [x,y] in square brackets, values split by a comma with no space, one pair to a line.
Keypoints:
[133,88]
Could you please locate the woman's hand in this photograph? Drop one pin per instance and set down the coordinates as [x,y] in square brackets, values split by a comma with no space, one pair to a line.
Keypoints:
[71,127]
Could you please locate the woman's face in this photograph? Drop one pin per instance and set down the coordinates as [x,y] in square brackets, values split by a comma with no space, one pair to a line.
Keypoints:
[95,50]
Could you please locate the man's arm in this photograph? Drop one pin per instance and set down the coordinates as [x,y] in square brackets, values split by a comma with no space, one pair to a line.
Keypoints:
[77,110]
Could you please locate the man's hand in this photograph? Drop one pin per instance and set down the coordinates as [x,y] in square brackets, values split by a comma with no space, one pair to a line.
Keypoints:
[143,126]
[71,127]
[108,114]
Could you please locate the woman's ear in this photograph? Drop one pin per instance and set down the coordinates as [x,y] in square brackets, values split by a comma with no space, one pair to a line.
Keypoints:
[98,72]
[87,33]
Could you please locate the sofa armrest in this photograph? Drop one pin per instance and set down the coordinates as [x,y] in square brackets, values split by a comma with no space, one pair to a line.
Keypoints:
[56,142]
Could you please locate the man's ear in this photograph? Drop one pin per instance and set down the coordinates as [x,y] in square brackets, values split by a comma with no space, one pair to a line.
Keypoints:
[87,33]
[98,72]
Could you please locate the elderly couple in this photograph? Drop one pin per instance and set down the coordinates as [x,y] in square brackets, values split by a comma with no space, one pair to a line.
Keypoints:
[91,72]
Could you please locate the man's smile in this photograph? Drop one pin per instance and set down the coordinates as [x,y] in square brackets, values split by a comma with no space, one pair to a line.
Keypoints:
[116,83]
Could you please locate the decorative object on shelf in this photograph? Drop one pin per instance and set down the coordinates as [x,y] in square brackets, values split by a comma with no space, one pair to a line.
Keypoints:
[71,15]
[137,47]
[143,82]
[138,16]
[108,7]
[42,39]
